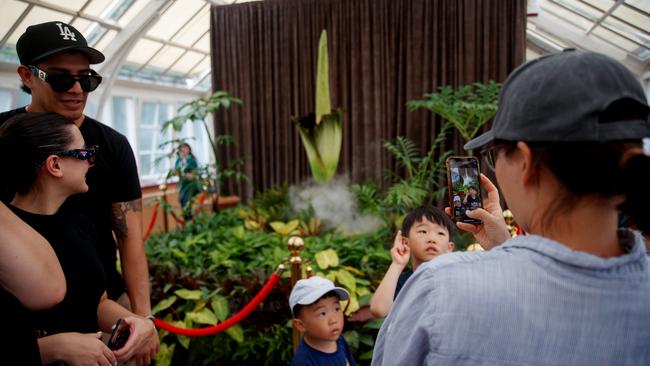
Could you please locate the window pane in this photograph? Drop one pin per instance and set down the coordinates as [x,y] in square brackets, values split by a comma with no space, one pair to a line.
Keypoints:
[146,139]
[119,115]
[145,164]
[148,115]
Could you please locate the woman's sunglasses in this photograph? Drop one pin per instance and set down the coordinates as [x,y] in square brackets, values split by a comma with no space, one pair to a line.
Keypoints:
[88,153]
[63,82]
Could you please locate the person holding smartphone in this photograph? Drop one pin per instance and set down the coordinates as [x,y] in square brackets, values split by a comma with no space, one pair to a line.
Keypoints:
[49,162]
[566,148]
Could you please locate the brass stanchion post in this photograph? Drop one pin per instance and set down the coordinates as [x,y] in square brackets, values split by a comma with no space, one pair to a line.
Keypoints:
[295,245]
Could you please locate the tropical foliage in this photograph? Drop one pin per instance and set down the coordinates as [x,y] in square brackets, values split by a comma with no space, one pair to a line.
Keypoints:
[211,268]
[467,107]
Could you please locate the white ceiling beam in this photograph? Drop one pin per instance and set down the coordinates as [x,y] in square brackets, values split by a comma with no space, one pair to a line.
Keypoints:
[121,46]
[607,13]
[15,25]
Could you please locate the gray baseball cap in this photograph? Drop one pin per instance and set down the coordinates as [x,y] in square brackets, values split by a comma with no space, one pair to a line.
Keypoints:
[561,98]
[308,291]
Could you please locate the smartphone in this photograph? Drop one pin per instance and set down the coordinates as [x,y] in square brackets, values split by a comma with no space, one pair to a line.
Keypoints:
[464,188]
[121,333]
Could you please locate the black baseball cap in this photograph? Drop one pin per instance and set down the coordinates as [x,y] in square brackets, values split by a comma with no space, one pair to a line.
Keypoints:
[561,98]
[42,40]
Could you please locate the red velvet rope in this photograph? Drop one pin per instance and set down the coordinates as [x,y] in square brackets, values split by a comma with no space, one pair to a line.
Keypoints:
[152,222]
[178,221]
[201,198]
[202,332]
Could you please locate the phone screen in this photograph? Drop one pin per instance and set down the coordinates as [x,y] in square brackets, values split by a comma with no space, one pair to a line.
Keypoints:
[120,335]
[464,188]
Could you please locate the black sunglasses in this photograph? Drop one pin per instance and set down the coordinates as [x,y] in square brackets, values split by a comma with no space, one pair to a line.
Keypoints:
[63,82]
[490,156]
[88,153]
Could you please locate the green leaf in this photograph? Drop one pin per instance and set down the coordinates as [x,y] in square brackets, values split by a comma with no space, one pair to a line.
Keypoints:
[285,229]
[238,232]
[188,294]
[374,324]
[346,279]
[236,332]
[327,258]
[362,291]
[366,355]
[354,304]
[165,354]
[220,307]
[352,338]
[184,341]
[205,316]
[164,304]
[367,340]
[323,104]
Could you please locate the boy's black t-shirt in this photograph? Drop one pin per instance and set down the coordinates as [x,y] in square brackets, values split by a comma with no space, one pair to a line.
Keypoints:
[401,280]
[113,178]
[72,237]
[18,344]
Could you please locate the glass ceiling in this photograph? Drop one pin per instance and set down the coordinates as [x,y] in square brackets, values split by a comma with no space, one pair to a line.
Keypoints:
[171,43]
[174,50]
[618,28]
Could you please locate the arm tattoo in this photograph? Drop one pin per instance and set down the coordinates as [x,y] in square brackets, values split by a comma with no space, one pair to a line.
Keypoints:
[119,211]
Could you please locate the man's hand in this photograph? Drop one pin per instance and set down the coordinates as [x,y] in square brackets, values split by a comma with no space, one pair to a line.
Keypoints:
[143,343]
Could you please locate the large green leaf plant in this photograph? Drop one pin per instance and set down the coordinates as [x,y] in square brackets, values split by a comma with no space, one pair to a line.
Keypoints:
[321,132]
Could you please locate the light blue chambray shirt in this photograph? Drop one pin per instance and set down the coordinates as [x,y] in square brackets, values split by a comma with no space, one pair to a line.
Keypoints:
[530,301]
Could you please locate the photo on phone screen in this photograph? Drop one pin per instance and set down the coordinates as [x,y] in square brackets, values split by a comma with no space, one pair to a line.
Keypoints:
[464,188]
[120,335]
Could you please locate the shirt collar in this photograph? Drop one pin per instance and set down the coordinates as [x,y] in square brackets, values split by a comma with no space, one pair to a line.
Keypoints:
[632,242]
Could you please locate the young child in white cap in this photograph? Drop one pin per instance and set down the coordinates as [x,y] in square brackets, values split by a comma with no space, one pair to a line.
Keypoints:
[316,309]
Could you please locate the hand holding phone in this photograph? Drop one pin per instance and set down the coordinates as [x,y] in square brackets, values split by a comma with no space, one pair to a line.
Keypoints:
[121,333]
[464,188]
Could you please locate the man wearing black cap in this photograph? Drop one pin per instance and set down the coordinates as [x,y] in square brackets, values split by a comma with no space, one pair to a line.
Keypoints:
[55,69]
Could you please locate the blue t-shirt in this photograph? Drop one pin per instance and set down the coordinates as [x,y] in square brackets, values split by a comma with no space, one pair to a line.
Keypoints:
[309,356]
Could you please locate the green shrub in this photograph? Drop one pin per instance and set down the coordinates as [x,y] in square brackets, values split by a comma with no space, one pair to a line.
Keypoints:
[211,268]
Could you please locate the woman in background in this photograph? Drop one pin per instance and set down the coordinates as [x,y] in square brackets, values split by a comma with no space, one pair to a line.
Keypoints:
[186,168]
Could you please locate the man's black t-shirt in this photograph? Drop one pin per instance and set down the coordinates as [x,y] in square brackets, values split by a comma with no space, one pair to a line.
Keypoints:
[72,237]
[114,178]
[18,344]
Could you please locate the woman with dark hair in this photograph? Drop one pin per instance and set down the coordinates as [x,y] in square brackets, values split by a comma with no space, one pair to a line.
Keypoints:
[47,162]
[566,146]
[186,168]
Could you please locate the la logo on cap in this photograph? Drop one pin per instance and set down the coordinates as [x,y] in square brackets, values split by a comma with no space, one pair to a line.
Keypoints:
[66,33]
